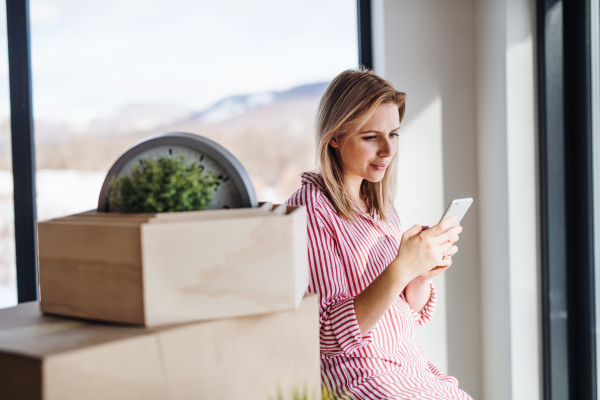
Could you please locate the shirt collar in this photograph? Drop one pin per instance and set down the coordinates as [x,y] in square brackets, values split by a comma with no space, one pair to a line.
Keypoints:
[314,178]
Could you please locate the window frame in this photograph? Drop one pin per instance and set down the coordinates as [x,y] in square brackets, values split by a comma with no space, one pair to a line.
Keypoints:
[365,35]
[23,148]
[566,199]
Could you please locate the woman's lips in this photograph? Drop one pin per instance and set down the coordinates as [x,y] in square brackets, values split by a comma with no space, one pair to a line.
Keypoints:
[380,167]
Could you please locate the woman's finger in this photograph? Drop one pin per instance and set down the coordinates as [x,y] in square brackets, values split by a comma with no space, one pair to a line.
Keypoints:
[438,270]
[450,252]
[442,226]
[445,263]
[445,247]
[412,231]
[454,239]
[451,235]
[448,223]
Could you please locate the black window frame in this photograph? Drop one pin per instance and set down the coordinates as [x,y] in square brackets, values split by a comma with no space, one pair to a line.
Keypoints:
[23,148]
[566,199]
[365,33]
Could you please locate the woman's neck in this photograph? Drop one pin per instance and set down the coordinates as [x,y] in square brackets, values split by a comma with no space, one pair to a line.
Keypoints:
[354,183]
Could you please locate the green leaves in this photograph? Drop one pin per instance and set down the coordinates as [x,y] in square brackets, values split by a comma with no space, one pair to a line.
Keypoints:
[163,185]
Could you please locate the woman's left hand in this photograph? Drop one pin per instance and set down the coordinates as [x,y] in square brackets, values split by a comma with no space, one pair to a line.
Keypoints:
[417,291]
[446,263]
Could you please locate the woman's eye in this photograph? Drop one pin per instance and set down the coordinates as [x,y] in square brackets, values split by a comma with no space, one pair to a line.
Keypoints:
[394,134]
[369,137]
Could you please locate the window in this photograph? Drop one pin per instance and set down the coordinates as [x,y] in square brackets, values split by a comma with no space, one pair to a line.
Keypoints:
[246,75]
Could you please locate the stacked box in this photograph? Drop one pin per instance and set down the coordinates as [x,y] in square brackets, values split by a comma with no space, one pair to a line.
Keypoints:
[157,269]
[250,358]
[170,286]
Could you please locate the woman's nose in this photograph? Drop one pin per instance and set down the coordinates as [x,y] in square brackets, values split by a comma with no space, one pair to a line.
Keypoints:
[385,149]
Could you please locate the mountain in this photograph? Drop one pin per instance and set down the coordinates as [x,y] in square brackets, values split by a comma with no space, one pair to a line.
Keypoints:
[252,126]
[144,117]
[60,144]
[233,106]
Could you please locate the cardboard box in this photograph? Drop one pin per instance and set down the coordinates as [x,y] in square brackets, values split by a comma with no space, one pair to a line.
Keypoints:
[249,358]
[157,269]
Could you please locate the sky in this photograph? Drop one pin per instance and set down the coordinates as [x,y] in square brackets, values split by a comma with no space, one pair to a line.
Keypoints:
[90,58]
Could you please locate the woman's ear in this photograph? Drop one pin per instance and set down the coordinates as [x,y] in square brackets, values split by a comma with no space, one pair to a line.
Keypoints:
[334,143]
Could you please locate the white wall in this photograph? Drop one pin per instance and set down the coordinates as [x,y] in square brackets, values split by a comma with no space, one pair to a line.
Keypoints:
[428,52]
[467,68]
[508,183]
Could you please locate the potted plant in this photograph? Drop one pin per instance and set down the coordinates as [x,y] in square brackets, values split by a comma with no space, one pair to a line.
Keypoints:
[167,184]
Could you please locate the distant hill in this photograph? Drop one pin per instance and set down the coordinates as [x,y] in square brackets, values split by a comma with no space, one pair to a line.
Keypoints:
[63,145]
[235,105]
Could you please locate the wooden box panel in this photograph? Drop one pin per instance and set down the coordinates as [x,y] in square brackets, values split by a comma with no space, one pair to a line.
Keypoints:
[91,270]
[250,358]
[173,268]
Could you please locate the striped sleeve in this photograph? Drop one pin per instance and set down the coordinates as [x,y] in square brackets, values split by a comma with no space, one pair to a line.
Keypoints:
[339,330]
[424,316]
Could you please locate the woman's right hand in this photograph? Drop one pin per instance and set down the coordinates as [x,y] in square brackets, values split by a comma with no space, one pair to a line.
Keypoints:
[423,250]
[420,252]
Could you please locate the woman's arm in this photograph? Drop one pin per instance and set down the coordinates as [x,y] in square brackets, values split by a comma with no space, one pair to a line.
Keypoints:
[421,253]
[418,293]
[376,299]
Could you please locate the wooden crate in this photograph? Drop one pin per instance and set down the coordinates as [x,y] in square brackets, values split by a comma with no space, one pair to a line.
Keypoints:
[54,358]
[173,267]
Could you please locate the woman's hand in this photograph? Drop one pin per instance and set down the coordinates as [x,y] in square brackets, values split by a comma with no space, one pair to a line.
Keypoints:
[421,251]
[446,263]
[427,253]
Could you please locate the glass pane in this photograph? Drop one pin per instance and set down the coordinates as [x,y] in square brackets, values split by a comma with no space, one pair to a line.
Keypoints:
[8,271]
[247,75]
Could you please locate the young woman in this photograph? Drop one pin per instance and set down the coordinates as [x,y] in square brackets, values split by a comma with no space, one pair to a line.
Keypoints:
[373,281]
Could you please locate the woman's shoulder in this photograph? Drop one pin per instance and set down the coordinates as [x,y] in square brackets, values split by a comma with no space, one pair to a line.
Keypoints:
[311,194]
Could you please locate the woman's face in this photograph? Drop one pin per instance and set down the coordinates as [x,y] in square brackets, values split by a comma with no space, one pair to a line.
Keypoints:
[367,154]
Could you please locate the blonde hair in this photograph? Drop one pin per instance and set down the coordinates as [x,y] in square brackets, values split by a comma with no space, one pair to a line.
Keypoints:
[347,104]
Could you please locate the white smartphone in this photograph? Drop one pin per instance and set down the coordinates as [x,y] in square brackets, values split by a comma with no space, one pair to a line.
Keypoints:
[457,207]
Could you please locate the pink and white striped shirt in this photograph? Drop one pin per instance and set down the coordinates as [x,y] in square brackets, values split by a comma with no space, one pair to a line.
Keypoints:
[388,362]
